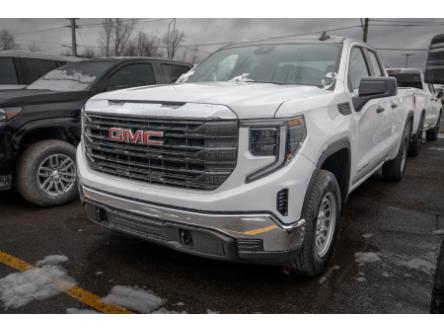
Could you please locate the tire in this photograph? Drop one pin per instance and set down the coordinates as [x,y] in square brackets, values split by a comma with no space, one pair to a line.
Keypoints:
[44,169]
[432,134]
[394,170]
[417,140]
[313,258]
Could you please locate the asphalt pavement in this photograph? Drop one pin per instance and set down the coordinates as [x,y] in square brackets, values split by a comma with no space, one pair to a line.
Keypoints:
[383,263]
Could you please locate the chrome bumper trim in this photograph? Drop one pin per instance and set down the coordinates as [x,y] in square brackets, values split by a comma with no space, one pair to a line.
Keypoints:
[275,236]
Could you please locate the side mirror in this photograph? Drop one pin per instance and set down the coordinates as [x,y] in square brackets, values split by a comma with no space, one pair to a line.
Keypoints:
[374,87]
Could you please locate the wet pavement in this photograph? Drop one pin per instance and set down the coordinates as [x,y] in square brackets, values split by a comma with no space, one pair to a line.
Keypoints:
[383,263]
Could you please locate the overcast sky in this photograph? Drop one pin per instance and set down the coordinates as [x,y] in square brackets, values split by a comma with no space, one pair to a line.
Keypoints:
[50,35]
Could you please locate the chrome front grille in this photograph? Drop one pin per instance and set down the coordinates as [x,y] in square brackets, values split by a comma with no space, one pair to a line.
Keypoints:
[194,154]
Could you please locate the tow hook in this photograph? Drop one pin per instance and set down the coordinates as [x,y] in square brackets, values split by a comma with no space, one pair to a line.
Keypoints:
[185,237]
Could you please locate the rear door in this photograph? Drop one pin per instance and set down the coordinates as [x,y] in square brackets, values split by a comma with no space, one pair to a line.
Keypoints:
[370,127]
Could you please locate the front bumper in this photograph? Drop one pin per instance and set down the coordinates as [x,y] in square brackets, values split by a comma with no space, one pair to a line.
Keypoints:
[254,238]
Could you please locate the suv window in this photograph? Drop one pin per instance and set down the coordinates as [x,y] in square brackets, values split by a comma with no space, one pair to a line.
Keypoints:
[8,74]
[36,68]
[407,80]
[357,69]
[132,76]
[375,63]
[172,72]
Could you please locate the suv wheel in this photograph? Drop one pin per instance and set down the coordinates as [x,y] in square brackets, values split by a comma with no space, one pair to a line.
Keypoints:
[322,213]
[394,170]
[432,134]
[417,141]
[46,173]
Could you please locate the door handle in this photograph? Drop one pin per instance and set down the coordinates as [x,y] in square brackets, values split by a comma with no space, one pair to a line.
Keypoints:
[394,105]
[379,109]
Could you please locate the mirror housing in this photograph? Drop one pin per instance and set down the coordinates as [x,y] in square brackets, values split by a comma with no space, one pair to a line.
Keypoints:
[374,87]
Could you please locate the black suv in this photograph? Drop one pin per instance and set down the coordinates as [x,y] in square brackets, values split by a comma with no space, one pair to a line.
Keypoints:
[40,125]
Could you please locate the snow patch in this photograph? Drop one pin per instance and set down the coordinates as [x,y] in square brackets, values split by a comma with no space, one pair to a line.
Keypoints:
[54,259]
[212,312]
[361,279]
[367,236]
[38,283]
[420,264]
[438,232]
[143,301]
[367,257]
[328,275]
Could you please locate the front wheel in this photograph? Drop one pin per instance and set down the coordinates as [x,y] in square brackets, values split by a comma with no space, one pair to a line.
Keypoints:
[322,212]
[432,134]
[46,174]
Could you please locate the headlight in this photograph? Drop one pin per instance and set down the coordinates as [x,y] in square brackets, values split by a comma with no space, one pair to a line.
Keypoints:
[280,138]
[9,113]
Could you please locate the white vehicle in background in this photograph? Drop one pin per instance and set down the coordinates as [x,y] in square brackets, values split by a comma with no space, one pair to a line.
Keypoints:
[252,157]
[426,104]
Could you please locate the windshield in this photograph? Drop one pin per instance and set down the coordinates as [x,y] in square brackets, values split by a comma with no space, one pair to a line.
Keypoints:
[73,77]
[407,80]
[302,64]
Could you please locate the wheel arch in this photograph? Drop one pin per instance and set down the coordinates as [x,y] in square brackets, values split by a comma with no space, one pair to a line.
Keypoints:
[336,158]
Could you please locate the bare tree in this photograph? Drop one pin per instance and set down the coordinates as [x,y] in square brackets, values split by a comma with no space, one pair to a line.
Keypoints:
[172,40]
[144,45]
[7,40]
[122,33]
[106,35]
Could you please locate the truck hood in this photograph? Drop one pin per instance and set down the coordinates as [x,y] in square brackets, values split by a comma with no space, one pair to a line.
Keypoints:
[24,97]
[246,99]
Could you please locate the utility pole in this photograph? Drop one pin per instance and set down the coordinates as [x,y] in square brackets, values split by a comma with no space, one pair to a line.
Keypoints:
[407,55]
[365,29]
[73,27]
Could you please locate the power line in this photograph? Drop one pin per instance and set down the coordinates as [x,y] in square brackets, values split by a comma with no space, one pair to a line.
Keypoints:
[408,22]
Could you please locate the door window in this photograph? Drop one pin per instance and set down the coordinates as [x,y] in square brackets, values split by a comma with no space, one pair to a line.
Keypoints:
[357,69]
[8,74]
[131,76]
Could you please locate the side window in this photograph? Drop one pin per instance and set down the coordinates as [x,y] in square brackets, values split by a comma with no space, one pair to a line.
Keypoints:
[375,63]
[8,74]
[172,72]
[357,68]
[36,68]
[131,76]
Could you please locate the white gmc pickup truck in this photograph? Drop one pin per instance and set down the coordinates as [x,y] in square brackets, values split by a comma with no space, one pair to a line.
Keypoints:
[426,105]
[252,158]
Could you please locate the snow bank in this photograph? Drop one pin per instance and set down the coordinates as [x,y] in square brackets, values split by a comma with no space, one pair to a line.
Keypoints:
[143,301]
[37,283]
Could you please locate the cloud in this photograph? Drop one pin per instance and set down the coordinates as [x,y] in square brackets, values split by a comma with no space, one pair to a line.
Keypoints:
[51,35]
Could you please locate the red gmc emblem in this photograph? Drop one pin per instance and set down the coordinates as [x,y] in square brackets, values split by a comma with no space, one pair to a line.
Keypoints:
[140,137]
